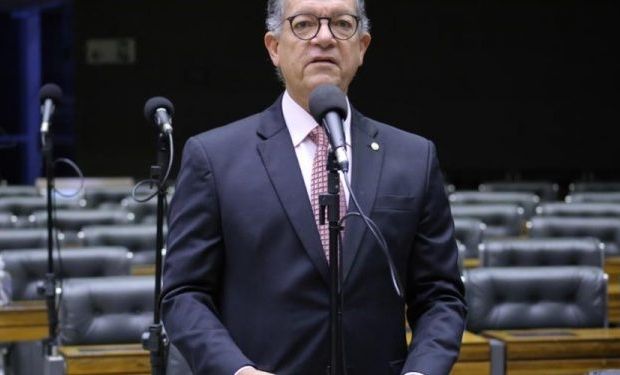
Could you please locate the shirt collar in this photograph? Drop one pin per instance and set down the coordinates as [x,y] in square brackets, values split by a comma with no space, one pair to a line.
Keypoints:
[300,123]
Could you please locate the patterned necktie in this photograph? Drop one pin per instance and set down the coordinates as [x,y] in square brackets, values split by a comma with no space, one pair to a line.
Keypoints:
[319,184]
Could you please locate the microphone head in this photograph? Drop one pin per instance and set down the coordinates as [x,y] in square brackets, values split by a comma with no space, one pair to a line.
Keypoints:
[50,91]
[153,104]
[326,98]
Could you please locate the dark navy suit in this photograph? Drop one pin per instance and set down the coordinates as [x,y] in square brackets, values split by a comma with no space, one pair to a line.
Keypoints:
[245,276]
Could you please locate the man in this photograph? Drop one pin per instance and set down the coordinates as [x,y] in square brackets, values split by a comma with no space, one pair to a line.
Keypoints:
[246,286]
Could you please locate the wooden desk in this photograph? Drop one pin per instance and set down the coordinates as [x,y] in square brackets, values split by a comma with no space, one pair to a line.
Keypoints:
[127,359]
[23,321]
[612,268]
[559,351]
[475,356]
[613,293]
[471,263]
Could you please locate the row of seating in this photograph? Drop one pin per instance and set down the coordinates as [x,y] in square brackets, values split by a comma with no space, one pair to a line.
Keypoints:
[117,309]
[472,231]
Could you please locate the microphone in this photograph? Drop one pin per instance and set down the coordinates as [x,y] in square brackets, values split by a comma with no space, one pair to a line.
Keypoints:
[160,110]
[50,96]
[328,106]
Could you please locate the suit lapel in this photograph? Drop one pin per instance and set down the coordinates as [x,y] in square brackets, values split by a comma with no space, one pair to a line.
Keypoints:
[365,177]
[278,157]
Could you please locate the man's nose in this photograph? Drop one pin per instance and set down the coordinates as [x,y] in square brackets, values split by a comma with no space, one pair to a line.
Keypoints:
[324,37]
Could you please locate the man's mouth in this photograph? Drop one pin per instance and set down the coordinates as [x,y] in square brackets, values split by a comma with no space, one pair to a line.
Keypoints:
[324,60]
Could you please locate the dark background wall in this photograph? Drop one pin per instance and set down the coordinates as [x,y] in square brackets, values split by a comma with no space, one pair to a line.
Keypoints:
[519,89]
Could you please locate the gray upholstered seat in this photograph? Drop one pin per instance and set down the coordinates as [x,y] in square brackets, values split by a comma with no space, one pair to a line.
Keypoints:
[29,266]
[470,233]
[536,297]
[501,220]
[607,230]
[140,239]
[581,209]
[547,191]
[542,252]
[528,201]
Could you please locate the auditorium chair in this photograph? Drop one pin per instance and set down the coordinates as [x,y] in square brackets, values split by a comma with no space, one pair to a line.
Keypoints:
[585,209]
[535,297]
[29,266]
[592,186]
[70,222]
[22,238]
[18,191]
[110,310]
[141,210]
[24,206]
[27,269]
[501,220]
[140,239]
[542,252]
[601,197]
[528,201]
[97,195]
[469,232]
[607,230]
[7,220]
[547,191]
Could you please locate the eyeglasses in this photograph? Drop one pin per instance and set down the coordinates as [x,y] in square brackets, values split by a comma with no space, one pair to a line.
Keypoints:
[307,26]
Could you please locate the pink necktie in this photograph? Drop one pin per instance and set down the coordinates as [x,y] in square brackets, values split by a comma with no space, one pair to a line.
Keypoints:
[319,184]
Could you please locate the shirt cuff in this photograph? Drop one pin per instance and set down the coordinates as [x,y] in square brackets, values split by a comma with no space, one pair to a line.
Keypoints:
[413,373]
[247,367]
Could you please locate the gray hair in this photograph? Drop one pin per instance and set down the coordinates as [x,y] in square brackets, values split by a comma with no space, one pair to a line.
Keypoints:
[275,16]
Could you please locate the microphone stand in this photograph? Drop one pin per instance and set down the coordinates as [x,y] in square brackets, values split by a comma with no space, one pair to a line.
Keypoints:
[154,340]
[53,362]
[331,201]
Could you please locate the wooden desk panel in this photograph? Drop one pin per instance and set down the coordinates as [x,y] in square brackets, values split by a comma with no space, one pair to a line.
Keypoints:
[129,359]
[614,302]
[612,268]
[559,351]
[23,321]
[475,356]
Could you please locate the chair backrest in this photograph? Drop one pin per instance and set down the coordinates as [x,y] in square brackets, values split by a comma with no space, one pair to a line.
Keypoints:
[592,186]
[528,201]
[501,220]
[19,191]
[469,232]
[23,206]
[110,310]
[605,229]
[609,197]
[7,220]
[542,252]
[582,209]
[140,239]
[22,239]
[546,190]
[536,297]
[97,195]
[74,220]
[29,266]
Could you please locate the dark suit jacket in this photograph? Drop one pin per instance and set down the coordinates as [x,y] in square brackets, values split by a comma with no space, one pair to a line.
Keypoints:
[245,276]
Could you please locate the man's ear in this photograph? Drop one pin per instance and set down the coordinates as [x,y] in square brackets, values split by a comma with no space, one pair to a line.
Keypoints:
[364,43]
[271,43]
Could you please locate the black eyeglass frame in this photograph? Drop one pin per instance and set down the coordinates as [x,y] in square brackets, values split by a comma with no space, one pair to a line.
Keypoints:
[329,20]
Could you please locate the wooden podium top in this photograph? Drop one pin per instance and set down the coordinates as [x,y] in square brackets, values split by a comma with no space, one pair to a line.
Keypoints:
[106,359]
[559,343]
[23,321]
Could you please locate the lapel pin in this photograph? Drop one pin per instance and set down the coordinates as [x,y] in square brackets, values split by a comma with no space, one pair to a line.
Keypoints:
[375,146]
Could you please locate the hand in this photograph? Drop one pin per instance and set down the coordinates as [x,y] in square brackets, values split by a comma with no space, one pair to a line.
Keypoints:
[253,371]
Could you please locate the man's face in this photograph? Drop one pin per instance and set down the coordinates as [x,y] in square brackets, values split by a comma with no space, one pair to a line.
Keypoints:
[323,59]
